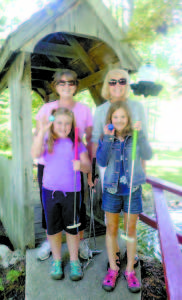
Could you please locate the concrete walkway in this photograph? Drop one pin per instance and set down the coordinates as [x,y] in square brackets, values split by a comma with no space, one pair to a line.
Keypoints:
[39,285]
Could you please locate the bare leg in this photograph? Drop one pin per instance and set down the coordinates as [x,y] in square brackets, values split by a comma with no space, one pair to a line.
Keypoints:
[56,243]
[73,244]
[111,238]
[131,245]
[81,233]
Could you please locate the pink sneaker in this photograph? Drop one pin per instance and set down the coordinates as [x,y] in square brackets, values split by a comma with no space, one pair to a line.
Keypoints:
[132,281]
[109,282]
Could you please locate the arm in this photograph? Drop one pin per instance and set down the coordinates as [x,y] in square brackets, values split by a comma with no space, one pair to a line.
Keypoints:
[145,148]
[38,140]
[88,132]
[104,150]
[84,164]
[37,146]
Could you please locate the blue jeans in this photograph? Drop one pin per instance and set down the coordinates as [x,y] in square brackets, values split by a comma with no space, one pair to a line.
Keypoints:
[115,203]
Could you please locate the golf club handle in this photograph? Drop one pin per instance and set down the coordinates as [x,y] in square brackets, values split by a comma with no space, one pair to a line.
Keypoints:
[93,168]
[76,143]
[135,135]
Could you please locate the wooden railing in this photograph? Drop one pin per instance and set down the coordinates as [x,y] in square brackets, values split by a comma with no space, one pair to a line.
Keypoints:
[171,254]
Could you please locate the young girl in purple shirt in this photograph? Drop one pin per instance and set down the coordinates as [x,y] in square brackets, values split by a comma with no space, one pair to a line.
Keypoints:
[55,141]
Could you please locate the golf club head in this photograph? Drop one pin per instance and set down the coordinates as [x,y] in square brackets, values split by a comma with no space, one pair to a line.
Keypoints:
[96,251]
[74,226]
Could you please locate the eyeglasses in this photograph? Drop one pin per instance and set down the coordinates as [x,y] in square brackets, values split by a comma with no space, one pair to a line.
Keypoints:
[121,81]
[69,82]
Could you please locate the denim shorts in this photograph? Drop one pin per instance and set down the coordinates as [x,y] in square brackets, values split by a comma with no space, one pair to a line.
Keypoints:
[59,210]
[115,203]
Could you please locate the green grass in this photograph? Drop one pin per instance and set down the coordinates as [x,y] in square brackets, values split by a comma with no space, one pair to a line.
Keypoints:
[166,165]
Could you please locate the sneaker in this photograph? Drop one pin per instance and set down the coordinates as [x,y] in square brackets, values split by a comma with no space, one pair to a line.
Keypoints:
[44,251]
[76,272]
[56,270]
[132,281]
[84,251]
[109,282]
[118,261]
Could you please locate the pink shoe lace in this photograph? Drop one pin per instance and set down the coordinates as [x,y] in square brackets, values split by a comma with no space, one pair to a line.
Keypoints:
[110,278]
[132,281]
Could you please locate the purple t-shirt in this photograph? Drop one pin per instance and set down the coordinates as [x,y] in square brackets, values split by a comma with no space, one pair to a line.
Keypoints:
[58,170]
[81,112]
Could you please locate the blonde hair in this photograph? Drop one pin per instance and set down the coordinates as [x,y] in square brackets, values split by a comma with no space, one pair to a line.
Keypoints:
[52,136]
[64,72]
[105,88]
[115,106]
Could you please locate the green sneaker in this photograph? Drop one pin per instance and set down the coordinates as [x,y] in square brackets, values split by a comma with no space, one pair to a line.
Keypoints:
[56,270]
[76,272]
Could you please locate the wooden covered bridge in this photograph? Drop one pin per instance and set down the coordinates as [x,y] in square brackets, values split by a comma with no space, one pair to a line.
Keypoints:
[81,35]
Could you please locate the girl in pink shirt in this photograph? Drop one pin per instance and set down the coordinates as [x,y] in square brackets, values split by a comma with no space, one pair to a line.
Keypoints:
[58,148]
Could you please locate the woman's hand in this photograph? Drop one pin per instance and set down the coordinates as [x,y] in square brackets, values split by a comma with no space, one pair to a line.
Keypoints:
[76,165]
[137,125]
[107,131]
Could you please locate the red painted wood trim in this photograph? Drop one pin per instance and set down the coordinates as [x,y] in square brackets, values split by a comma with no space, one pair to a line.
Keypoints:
[165,185]
[171,254]
[153,223]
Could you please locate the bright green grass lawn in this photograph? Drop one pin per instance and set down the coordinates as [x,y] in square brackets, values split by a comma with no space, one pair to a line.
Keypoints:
[166,165]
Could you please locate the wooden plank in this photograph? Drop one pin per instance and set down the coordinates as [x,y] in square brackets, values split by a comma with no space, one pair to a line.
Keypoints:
[95,95]
[21,106]
[165,185]
[171,254]
[153,223]
[79,50]
[55,50]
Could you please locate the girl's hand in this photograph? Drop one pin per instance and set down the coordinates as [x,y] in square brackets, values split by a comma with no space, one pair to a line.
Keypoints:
[44,124]
[76,165]
[107,131]
[138,125]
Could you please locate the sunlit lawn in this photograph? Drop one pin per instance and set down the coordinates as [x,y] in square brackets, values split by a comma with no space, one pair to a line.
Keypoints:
[166,165]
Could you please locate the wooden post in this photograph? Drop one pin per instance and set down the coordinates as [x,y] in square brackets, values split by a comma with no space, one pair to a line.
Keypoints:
[21,124]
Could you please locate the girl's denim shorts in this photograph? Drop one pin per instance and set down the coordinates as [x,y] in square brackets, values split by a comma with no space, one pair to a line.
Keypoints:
[115,203]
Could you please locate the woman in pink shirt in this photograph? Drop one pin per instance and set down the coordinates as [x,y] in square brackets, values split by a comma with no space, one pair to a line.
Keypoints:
[65,83]
[60,186]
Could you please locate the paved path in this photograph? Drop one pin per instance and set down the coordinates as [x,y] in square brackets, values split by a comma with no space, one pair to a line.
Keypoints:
[39,285]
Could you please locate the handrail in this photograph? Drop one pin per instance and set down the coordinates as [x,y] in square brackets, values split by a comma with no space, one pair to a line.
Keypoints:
[171,254]
[153,223]
[165,185]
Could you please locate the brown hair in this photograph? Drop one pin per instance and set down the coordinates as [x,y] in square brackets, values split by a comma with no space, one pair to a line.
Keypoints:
[52,137]
[105,88]
[64,72]
[115,106]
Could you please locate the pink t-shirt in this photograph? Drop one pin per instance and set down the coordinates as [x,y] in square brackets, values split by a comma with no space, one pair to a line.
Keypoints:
[58,171]
[81,112]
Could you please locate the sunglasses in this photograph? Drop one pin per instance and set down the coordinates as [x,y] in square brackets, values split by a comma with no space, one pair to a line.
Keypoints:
[69,82]
[121,81]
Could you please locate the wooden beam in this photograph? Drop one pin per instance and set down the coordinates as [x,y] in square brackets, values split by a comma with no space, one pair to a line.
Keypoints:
[153,223]
[46,68]
[79,50]
[53,59]
[19,82]
[165,185]
[95,95]
[95,78]
[171,254]
[55,50]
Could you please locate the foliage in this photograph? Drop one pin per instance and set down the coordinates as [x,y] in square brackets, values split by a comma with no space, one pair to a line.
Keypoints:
[1,285]
[151,17]
[13,275]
